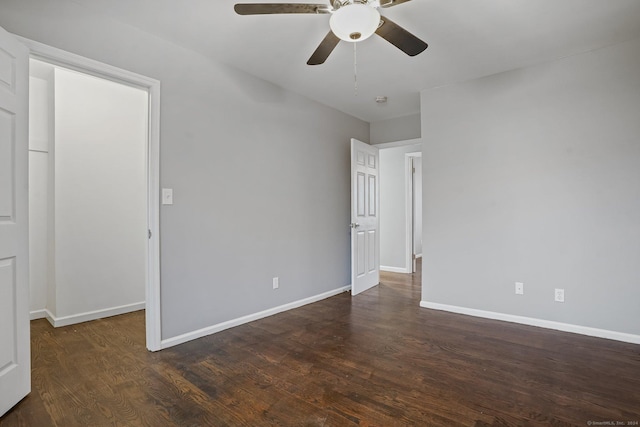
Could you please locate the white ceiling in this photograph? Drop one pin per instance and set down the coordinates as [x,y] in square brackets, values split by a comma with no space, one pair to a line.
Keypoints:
[467,39]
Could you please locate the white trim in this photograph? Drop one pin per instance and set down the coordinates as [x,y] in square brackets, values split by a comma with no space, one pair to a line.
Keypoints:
[393,144]
[152,293]
[84,65]
[409,208]
[37,314]
[393,269]
[418,256]
[42,314]
[92,315]
[170,342]
[408,212]
[541,323]
[89,66]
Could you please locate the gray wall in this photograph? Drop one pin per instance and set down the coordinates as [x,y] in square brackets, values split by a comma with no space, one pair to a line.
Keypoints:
[533,175]
[398,129]
[248,163]
[393,215]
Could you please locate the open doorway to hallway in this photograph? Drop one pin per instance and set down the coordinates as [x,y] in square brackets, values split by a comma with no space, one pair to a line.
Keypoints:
[400,206]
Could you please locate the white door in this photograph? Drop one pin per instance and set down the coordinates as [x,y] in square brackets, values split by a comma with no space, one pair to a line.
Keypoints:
[15,369]
[365,239]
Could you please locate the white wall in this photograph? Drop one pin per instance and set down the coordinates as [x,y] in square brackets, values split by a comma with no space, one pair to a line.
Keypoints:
[100,193]
[396,129]
[533,175]
[393,204]
[248,163]
[40,94]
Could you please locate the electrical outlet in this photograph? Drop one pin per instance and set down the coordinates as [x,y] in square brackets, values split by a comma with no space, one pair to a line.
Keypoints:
[276,283]
[559,295]
[519,288]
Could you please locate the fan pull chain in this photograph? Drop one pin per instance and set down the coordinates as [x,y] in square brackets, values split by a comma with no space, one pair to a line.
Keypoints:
[355,70]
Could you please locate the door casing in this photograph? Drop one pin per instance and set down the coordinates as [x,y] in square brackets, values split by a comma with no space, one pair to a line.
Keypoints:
[410,255]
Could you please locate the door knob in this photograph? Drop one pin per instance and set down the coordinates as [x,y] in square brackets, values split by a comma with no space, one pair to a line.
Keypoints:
[354,225]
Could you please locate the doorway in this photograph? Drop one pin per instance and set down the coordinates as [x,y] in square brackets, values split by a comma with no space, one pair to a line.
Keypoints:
[400,205]
[94,191]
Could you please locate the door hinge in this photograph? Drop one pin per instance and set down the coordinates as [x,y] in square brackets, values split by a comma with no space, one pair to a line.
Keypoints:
[149,233]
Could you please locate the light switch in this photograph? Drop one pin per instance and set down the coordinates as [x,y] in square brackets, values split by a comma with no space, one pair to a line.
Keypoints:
[167,196]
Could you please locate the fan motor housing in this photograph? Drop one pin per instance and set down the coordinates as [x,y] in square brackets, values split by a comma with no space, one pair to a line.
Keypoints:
[337,4]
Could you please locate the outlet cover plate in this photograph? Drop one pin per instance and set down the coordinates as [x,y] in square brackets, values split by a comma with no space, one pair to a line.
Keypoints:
[559,295]
[519,288]
[167,196]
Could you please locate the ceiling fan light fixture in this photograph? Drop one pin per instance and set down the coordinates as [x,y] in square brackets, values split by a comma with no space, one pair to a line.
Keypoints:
[354,22]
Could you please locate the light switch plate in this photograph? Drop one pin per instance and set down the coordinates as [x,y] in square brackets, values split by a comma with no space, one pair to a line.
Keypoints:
[167,196]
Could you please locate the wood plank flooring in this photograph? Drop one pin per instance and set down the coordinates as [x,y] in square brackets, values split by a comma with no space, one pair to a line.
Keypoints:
[374,360]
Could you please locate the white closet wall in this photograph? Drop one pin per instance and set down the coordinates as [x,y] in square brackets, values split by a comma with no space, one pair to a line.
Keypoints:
[40,209]
[88,197]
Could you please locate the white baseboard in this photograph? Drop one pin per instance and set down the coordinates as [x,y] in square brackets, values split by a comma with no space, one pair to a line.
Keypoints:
[170,342]
[418,256]
[85,317]
[37,314]
[393,269]
[548,324]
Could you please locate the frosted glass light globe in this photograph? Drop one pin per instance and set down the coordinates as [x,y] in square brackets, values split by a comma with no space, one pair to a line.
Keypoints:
[354,22]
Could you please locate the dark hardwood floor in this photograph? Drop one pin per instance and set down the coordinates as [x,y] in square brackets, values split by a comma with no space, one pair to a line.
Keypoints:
[374,360]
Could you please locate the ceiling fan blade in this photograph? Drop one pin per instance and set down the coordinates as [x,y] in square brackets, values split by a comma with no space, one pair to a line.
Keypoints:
[400,38]
[390,3]
[273,8]
[324,50]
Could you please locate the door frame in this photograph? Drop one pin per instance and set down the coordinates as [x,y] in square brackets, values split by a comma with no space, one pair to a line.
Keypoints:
[408,207]
[79,63]
[410,260]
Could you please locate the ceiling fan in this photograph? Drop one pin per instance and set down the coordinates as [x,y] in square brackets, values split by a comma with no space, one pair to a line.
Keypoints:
[351,21]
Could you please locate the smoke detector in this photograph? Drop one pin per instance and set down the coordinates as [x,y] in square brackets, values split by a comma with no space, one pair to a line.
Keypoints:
[381,99]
